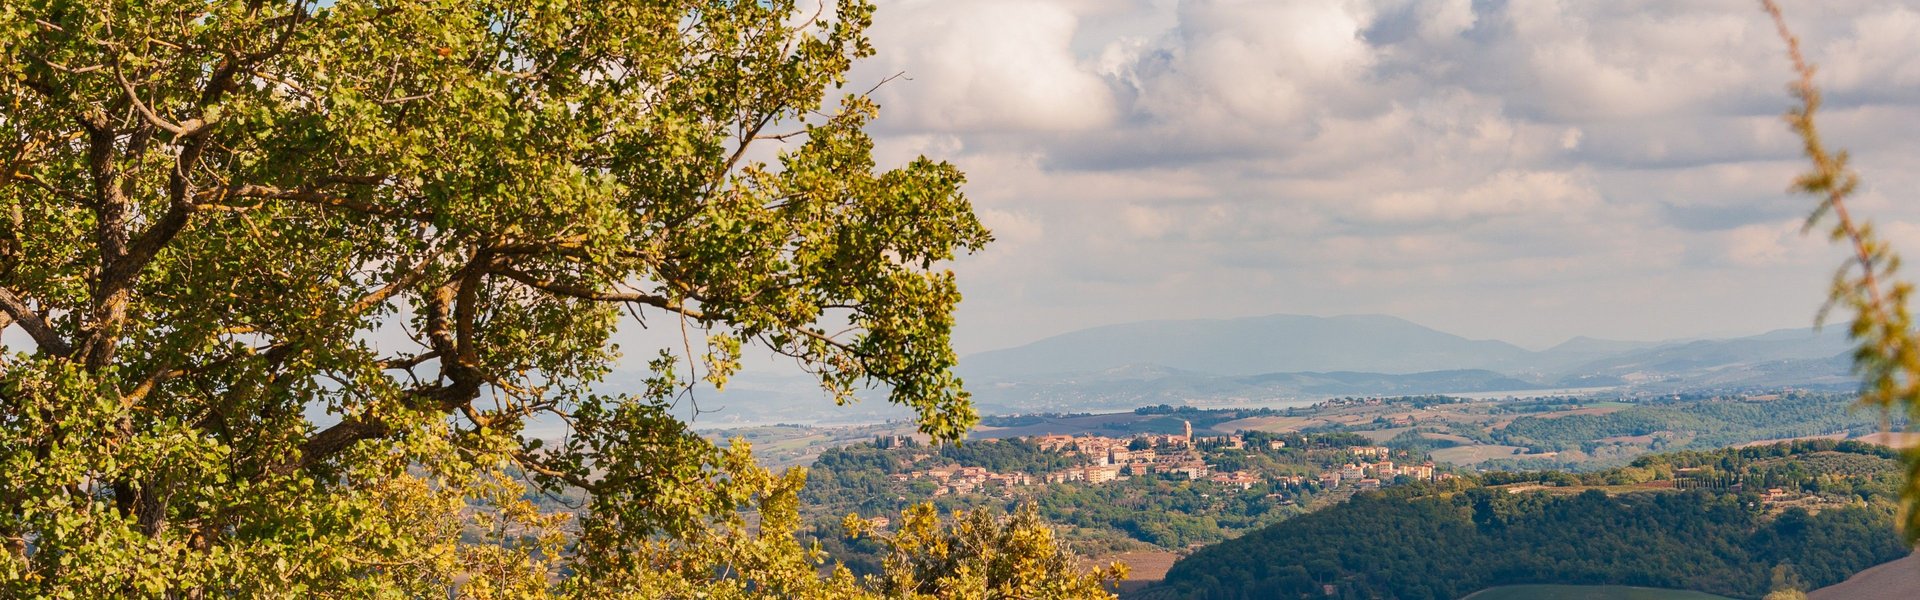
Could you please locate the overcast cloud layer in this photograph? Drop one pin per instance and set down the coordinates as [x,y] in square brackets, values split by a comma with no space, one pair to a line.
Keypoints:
[1528,170]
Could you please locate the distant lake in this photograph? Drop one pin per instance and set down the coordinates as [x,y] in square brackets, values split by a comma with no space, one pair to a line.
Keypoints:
[1529,393]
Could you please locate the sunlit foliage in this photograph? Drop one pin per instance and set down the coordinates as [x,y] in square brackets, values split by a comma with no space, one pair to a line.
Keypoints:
[290,279]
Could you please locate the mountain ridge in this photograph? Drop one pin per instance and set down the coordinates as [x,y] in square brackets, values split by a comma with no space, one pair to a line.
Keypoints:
[1249,346]
[1296,356]
[1216,347]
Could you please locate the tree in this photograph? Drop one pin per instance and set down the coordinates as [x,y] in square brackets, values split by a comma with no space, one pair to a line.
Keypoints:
[293,278]
[981,557]
[1786,584]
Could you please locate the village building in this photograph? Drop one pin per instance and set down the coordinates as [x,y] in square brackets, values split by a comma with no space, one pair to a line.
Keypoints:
[1422,472]
[1193,470]
[1053,443]
[1240,479]
[1352,471]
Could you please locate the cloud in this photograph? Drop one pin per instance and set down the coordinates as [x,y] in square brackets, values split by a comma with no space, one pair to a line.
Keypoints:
[1252,62]
[1878,53]
[1517,169]
[984,65]
[1505,194]
[1766,244]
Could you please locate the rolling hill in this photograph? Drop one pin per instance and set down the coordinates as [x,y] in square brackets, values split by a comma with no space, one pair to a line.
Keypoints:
[1458,537]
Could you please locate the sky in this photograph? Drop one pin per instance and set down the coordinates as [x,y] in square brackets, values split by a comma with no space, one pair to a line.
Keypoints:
[1527,171]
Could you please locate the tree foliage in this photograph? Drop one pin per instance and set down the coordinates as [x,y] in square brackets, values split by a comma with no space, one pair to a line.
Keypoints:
[981,557]
[289,280]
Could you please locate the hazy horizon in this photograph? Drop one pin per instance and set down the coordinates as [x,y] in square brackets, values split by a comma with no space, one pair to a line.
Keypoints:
[1464,334]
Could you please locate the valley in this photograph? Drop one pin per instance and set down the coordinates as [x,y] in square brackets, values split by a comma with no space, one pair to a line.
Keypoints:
[1148,457]
[1150,486]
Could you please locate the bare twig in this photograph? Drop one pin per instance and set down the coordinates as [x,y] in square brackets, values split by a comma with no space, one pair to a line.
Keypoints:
[1887,351]
[1830,172]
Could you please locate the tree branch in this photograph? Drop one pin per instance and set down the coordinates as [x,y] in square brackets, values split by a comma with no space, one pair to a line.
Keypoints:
[311,196]
[35,324]
[411,278]
[179,130]
[528,461]
[648,299]
[118,278]
[1830,177]
[588,294]
[331,441]
[408,362]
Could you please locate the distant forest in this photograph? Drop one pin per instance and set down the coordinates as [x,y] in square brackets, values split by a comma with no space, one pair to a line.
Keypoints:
[1448,540]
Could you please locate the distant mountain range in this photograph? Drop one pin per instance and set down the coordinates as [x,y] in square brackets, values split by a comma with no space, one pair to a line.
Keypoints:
[1293,356]
[1287,357]
[1252,346]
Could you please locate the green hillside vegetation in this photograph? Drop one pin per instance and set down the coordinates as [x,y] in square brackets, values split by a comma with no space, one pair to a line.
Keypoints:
[1833,518]
[1713,422]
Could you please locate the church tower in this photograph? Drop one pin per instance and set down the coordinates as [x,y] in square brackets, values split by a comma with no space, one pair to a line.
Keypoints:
[1189,437]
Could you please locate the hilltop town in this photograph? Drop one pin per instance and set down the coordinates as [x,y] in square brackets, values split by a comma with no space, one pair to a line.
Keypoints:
[1102,459]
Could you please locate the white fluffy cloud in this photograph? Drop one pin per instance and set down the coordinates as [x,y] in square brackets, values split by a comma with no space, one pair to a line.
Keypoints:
[1523,194]
[985,65]
[1529,170]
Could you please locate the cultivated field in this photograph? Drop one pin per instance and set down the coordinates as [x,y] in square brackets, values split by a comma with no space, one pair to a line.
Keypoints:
[1143,568]
[1467,455]
[1897,580]
[1268,424]
[1896,439]
[1587,592]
